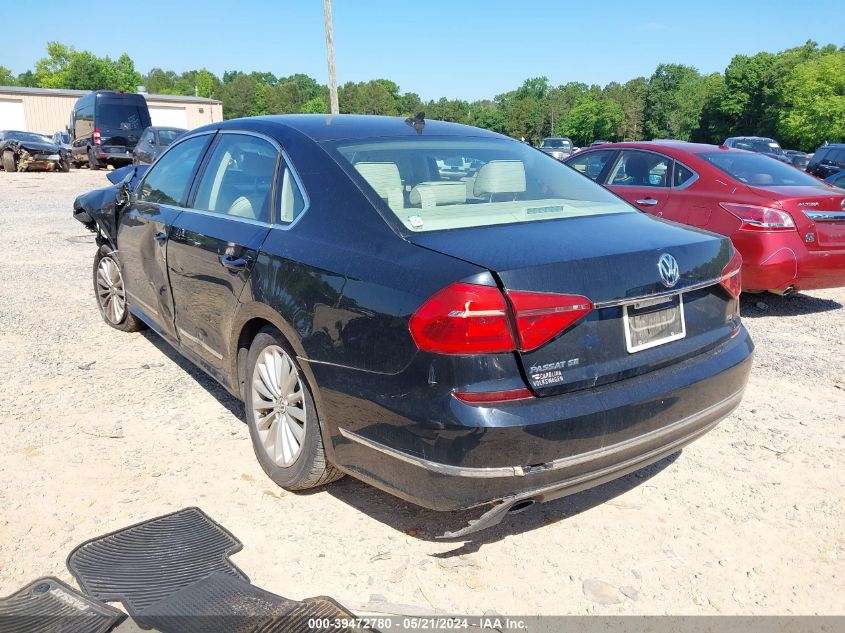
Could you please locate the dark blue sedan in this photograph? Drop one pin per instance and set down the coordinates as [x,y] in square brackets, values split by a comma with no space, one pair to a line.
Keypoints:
[438,310]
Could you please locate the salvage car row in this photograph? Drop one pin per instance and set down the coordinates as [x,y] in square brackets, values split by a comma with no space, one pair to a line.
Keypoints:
[106,128]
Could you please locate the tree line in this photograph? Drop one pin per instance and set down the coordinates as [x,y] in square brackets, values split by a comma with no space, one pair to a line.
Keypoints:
[796,96]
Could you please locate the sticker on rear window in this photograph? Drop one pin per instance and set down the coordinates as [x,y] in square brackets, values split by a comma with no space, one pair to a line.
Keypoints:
[415,221]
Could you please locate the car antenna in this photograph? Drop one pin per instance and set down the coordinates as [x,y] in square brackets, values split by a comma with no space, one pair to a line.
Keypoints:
[417,122]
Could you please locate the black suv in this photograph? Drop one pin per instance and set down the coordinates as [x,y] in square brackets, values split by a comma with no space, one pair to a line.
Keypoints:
[105,126]
[827,160]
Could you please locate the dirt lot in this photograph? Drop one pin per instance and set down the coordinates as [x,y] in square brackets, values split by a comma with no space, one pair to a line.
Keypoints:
[102,429]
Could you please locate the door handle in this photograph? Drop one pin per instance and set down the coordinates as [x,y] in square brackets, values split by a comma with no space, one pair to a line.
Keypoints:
[160,237]
[648,202]
[235,264]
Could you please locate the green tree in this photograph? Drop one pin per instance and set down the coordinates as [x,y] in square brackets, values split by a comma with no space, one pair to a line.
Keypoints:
[674,102]
[814,102]
[6,77]
[592,118]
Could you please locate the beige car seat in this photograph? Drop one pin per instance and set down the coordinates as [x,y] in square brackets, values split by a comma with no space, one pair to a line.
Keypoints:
[385,179]
[500,177]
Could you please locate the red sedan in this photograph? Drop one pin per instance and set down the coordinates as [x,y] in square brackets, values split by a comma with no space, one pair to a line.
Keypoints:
[788,225]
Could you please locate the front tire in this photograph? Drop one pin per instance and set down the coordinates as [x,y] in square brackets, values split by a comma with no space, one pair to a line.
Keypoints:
[64,166]
[282,418]
[111,294]
[9,163]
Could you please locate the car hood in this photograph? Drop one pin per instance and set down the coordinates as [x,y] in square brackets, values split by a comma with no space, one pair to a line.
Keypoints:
[39,148]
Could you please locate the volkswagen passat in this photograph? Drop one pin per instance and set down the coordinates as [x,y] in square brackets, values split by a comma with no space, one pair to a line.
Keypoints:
[503,334]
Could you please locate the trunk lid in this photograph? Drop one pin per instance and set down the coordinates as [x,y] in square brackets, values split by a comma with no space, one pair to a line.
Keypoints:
[612,260]
[817,210]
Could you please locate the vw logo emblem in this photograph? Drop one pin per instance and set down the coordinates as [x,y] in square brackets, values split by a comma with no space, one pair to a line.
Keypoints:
[667,266]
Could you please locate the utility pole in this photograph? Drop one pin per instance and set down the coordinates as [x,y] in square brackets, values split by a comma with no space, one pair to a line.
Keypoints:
[327,12]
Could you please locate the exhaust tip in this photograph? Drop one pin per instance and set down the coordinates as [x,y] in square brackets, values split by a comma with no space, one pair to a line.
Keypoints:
[785,292]
[519,506]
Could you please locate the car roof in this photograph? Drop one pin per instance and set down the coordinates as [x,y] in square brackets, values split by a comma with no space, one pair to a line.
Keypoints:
[327,127]
[692,148]
[755,138]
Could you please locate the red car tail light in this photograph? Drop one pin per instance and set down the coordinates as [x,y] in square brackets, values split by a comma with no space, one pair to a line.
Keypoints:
[732,275]
[755,218]
[470,319]
[98,140]
[483,397]
[463,319]
[541,316]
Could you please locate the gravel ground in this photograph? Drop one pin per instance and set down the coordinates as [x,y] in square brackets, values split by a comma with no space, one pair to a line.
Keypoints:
[102,429]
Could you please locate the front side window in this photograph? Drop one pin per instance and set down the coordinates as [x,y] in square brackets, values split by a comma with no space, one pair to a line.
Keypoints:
[168,181]
[238,179]
[503,181]
[755,169]
[640,169]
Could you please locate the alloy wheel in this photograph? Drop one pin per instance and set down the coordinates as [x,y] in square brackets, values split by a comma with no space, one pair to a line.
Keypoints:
[110,291]
[278,408]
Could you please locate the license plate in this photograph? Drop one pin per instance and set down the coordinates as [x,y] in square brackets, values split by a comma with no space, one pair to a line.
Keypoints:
[650,323]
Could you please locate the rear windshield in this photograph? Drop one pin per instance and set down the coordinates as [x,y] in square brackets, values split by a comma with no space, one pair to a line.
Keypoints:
[121,116]
[166,137]
[447,183]
[757,170]
[556,142]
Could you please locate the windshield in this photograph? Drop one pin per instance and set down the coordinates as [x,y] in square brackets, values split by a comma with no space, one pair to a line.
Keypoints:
[504,182]
[763,146]
[761,171]
[556,142]
[27,137]
[122,116]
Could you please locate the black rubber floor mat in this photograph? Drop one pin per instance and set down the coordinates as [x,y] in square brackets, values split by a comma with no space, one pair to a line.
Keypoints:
[48,605]
[144,563]
[224,604]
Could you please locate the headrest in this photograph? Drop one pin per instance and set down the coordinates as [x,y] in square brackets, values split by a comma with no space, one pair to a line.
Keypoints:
[431,194]
[500,176]
[382,176]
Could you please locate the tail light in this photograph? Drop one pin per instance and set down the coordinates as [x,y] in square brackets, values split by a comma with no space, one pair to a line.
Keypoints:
[463,319]
[470,319]
[98,140]
[756,218]
[732,275]
[540,316]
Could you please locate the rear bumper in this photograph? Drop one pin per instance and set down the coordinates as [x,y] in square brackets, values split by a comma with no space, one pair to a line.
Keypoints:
[784,261]
[660,412]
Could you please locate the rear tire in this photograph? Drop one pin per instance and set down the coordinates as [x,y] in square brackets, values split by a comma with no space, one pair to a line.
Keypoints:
[111,294]
[282,418]
[93,163]
[9,163]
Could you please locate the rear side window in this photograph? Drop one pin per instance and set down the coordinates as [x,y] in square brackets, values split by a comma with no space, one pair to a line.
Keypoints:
[238,179]
[590,164]
[168,181]
[291,198]
[640,169]
[435,183]
[682,175]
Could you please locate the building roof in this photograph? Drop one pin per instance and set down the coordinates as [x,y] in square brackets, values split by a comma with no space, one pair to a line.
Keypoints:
[64,92]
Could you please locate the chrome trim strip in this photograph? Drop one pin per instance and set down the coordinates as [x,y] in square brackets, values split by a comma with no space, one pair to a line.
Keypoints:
[658,295]
[194,339]
[728,403]
[825,216]
[236,218]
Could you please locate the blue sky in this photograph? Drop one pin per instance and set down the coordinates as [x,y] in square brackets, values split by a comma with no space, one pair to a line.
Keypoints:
[436,48]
